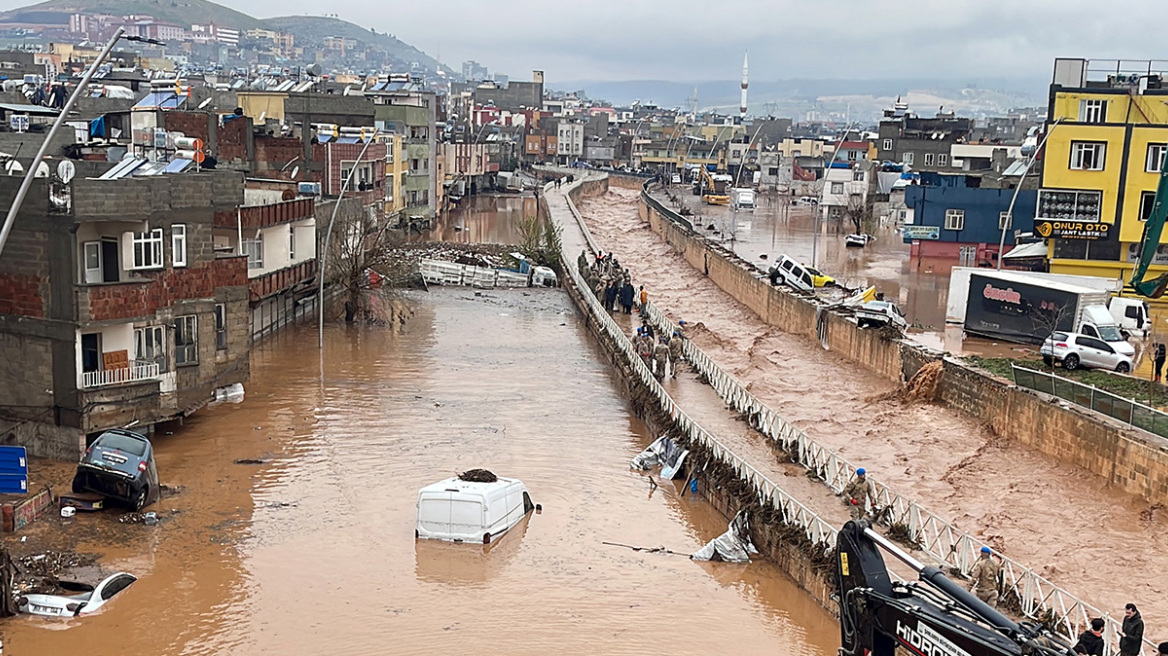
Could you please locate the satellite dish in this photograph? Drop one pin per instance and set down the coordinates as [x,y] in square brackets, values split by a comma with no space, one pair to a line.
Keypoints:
[66,170]
[42,170]
[295,170]
[13,167]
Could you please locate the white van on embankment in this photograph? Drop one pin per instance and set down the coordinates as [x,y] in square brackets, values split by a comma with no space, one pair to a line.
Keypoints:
[463,511]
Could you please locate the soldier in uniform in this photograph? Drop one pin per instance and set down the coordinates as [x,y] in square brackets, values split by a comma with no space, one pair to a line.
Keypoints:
[985,577]
[675,353]
[859,494]
[660,357]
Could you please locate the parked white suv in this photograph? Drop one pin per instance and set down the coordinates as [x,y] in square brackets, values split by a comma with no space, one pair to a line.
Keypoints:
[1076,350]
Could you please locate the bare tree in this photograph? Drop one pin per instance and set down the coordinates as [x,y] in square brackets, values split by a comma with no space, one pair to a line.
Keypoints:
[1047,317]
[362,248]
[540,240]
[858,212]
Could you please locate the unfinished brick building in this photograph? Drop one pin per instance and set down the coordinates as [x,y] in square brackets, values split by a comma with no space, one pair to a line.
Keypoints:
[115,309]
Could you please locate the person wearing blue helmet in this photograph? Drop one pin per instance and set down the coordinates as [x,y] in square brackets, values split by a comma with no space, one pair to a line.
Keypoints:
[985,574]
[859,494]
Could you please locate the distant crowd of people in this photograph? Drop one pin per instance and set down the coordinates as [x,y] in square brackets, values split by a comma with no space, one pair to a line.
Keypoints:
[613,286]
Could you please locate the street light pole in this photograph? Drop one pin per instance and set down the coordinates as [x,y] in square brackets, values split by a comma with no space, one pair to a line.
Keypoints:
[1013,199]
[40,156]
[819,206]
[324,249]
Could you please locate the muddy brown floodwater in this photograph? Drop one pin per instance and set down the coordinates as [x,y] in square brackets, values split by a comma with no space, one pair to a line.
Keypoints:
[1097,542]
[312,551]
[483,219]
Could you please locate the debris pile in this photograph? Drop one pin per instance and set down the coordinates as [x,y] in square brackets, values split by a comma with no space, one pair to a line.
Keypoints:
[477,476]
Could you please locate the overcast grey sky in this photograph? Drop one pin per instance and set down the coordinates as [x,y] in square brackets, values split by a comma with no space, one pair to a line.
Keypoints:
[704,39]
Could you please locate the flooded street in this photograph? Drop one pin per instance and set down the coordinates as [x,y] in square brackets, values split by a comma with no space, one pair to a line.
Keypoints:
[312,551]
[1060,520]
[482,219]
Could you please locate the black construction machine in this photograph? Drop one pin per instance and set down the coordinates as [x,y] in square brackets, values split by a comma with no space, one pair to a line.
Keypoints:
[930,617]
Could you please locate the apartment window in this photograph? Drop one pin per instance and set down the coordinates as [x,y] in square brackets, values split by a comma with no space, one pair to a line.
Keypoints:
[942,159]
[837,187]
[853,155]
[1087,155]
[178,244]
[908,158]
[186,339]
[1155,160]
[857,176]
[253,248]
[954,219]
[887,144]
[1147,201]
[291,243]
[928,159]
[148,249]
[221,327]
[149,344]
[1003,220]
[1092,111]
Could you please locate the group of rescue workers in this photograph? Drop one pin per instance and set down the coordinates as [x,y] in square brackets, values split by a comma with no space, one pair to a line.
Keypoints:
[985,580]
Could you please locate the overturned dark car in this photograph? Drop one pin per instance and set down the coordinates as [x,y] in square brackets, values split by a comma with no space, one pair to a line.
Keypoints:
[119,465]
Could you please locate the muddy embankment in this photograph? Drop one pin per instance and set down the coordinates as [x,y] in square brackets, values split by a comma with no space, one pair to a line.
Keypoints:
[786,544]
[1083,532]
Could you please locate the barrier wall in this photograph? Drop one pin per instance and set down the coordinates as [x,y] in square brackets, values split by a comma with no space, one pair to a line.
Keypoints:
[782,528]
[1134,461]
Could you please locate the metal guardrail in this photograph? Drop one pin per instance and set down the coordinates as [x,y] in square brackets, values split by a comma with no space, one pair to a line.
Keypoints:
[930,533]
[1129,411]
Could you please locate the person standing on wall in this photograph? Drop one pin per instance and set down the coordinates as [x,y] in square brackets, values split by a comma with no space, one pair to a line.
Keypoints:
[1131,636]
[1159,352]
[859,493]
[985,577]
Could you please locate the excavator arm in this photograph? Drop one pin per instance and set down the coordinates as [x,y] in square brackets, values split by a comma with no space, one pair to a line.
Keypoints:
[1150,241]
[935,616]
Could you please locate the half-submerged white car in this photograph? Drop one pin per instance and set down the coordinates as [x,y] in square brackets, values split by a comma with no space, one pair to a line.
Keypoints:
[78,604]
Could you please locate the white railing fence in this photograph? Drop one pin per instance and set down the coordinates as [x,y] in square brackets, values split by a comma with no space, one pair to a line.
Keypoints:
[929,533]
[137,371]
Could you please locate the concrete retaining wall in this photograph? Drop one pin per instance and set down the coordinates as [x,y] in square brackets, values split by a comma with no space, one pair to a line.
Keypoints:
[1134,461]
[718,483]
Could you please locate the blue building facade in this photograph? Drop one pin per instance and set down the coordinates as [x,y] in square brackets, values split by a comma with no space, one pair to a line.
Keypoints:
[952,220]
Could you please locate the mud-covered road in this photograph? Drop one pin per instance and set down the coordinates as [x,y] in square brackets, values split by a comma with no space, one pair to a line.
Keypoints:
[1103,545]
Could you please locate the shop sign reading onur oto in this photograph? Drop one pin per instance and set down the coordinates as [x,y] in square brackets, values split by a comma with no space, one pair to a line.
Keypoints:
[1056,229]
[1070,214]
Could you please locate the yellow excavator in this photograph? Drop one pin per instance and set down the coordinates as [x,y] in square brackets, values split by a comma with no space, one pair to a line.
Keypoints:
[1150,241]
[714,188]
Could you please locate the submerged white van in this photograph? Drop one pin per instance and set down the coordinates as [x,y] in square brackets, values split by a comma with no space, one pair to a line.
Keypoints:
[463,511]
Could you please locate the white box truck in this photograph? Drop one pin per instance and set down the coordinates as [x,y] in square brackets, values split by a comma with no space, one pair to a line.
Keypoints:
[1018,307]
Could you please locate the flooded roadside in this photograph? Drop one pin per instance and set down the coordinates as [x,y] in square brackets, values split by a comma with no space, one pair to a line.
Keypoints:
[1061,520]
[312,550]
[482,219]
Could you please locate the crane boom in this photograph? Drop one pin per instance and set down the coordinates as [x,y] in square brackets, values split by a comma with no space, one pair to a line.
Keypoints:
[1150,241]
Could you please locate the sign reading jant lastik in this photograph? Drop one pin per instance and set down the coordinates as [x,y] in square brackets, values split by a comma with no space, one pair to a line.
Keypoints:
[1093,230]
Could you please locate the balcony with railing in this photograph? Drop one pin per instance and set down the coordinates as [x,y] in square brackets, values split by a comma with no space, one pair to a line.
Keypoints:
[137,371]
[265,216]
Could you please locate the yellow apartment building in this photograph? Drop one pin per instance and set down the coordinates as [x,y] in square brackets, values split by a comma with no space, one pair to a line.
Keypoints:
[1108,127]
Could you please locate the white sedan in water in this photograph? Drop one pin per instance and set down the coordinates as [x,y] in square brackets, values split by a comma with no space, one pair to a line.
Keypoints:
[78,604]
